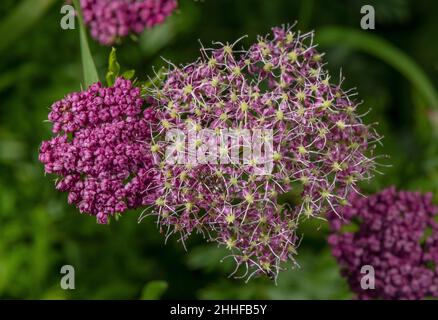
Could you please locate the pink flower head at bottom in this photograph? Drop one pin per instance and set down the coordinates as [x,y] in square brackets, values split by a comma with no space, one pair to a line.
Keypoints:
[396,234]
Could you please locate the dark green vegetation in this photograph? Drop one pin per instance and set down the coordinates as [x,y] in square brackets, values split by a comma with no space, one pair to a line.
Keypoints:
[40,63]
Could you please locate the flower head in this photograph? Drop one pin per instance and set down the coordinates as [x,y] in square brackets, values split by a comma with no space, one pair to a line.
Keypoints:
[112,19]
[101,150]
[317,145]
[397,234]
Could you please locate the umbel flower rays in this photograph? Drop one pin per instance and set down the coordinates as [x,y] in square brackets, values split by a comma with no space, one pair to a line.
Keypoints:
[319,147]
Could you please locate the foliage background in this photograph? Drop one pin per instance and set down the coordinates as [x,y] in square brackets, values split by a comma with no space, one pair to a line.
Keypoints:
[40,63]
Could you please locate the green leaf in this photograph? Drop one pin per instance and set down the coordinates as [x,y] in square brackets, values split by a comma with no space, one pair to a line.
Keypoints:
[88,65]
[154,290]
[21,19]
[385,51]
[113,65]
[113,68]
[110,78]
[128,74]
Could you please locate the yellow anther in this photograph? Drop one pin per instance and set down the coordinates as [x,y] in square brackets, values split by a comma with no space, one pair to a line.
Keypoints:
[341,124]
[244,106]
[326,104]
[292,56]
[317,57]
[212,62]
[266,265]
[302,150]
[189,205]
[179,146]
[304,180]
[325,194]
[273,194]
[349,180]
[266,51]
[291,224]
[166,124]
[183,176]
[214,82]
[188,89]
[300,95]
[228,50]
[198,127]
[268,66]
[155,148]
[308,212]
[237,71]
[231,243]
[230,218]
[336,166]
[249,198]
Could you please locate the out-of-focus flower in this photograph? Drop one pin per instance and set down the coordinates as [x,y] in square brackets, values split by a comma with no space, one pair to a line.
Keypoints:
[397,234]
[320,147]
[101,150]
[112,19]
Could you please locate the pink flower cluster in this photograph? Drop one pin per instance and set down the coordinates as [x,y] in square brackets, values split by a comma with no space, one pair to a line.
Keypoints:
[321,148]
[101,152]
[112,19]
[110,150]
[397,234]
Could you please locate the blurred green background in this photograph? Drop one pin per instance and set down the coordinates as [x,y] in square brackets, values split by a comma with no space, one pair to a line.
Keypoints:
[395,70]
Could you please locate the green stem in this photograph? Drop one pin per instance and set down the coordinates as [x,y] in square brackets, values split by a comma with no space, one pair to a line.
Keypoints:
[88,65]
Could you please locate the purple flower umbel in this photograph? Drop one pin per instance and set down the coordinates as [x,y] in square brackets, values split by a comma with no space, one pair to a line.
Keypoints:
[397,234]
[100,151]
[113,19]
[321,148]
